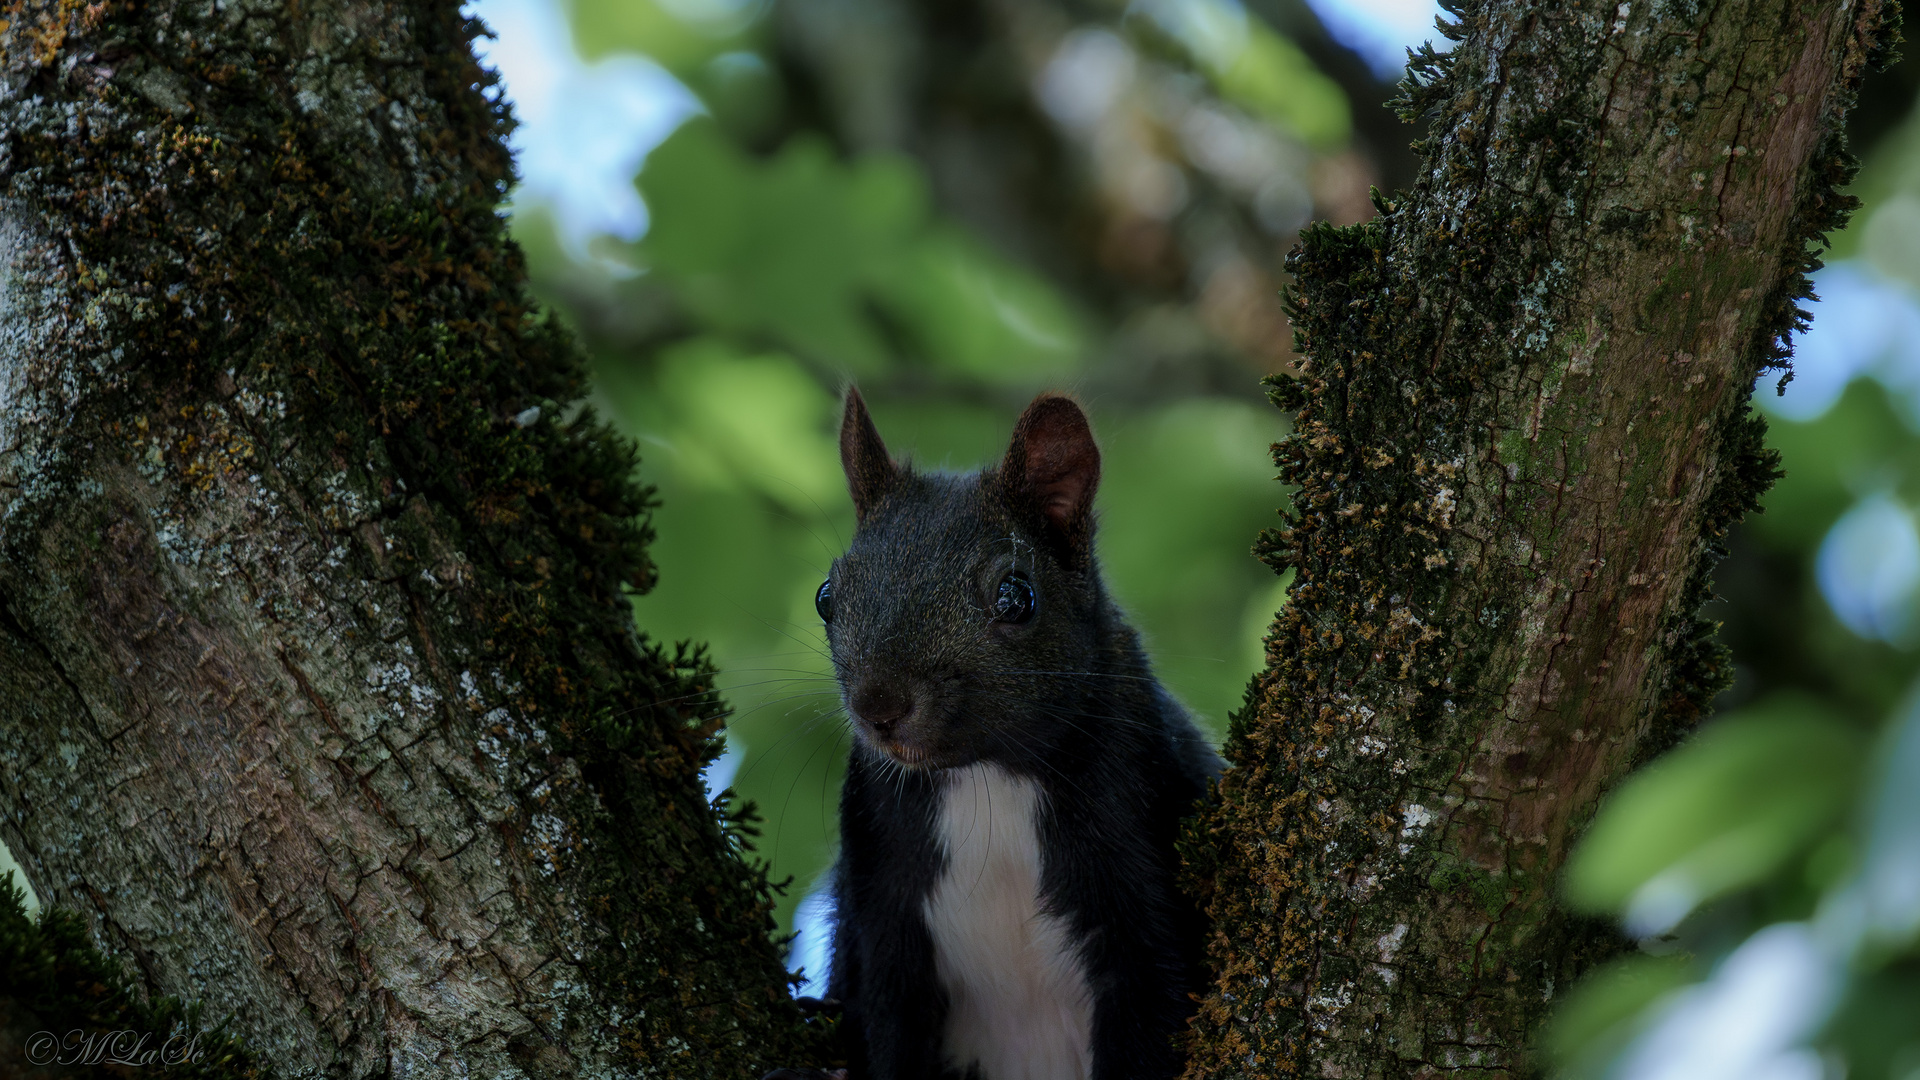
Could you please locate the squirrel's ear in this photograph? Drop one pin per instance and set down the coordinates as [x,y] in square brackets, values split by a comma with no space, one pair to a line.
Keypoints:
[870,472]
[1051,470]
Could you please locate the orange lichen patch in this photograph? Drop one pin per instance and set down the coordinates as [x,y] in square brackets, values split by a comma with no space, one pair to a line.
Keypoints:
[44,28]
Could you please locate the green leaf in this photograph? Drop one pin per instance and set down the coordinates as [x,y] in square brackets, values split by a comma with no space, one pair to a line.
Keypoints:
[1194,479]
[976,314]
[788,247]
[1860,444]
[1594,1022]
[1256,68]
[604,27]
[1875,1024]
[803,248]
[1273,78]
[1718,814]
[748,422]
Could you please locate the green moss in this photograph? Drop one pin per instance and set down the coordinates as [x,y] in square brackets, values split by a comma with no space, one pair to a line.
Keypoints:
[1438,342]
[1489,892]
[241,247]
[55,982]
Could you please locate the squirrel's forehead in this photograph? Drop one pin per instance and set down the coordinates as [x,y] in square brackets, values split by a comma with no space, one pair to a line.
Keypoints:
[931,508]
[929,533]
[916,549]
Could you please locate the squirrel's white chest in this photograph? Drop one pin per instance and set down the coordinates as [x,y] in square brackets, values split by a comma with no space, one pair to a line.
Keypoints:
[1016,987]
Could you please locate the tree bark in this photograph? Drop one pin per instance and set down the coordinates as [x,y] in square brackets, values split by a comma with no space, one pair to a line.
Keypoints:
[319,694]
[1523,427]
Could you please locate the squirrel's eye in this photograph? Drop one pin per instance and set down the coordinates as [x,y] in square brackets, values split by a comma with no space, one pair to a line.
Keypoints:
[1015,602]
[823,601]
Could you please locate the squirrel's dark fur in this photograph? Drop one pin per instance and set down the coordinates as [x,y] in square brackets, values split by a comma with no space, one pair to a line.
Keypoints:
[940,670]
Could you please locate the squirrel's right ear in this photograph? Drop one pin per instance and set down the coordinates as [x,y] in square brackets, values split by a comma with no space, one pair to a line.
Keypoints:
[870,472]
[1050,472]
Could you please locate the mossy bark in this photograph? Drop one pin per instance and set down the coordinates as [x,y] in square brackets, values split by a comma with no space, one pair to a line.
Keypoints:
[1523,426]
[320,701]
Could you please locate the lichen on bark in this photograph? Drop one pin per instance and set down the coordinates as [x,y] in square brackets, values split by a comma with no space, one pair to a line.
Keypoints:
[320,700]
[1523,426]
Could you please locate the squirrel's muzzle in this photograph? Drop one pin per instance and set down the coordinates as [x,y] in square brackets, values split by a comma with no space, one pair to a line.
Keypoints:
[896,717]
[881,705]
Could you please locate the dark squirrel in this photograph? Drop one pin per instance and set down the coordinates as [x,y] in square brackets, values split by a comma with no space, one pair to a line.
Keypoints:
[1006,906]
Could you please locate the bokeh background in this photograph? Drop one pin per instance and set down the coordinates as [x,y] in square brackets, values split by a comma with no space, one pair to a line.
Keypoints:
[741,206]
[744,205]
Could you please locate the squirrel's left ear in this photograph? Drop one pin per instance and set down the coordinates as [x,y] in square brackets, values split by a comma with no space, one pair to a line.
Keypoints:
[871,473]
[1051,470]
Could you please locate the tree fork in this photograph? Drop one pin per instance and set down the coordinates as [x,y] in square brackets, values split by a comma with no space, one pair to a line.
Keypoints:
[1523,426]
[320,699]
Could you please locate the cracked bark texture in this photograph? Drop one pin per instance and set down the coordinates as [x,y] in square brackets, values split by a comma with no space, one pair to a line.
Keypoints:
[1523,427]
[319,695]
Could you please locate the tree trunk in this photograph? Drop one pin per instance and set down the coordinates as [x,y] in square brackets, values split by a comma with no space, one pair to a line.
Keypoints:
[319,695]
[318,692]
[1523,427]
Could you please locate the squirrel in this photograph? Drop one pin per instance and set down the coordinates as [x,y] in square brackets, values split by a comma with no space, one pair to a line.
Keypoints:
[1005,896]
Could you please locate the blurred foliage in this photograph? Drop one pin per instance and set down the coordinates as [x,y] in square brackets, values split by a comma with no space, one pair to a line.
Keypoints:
[1725,811]
[961,204]
[1255,67]
[956,206]
[804,250]
[1769,868]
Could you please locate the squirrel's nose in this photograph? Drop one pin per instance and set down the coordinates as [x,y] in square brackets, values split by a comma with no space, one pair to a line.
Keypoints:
[882,705]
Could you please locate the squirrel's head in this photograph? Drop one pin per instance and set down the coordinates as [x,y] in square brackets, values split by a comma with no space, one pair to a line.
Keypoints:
[967,614]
